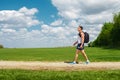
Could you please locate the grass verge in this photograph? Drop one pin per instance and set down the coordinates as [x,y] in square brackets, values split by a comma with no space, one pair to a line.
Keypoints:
[58,54]
[59,75]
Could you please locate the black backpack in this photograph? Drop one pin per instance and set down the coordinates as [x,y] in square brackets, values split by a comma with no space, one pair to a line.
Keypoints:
[86,37]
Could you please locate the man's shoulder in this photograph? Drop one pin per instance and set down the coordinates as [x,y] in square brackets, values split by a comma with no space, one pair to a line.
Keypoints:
[82,33]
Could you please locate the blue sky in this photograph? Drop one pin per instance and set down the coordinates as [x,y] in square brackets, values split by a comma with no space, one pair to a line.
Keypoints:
[45,7]
[52,23]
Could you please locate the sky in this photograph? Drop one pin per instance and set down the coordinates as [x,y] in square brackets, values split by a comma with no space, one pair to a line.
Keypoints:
[52,23]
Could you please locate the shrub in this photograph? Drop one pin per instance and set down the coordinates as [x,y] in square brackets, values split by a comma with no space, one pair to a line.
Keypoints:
[91,44]
[1,46]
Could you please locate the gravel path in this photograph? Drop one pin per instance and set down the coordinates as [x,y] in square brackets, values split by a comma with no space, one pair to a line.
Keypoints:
[37,65]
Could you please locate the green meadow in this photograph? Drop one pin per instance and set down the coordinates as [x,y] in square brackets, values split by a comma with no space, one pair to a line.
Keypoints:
[59,75]
[58,54]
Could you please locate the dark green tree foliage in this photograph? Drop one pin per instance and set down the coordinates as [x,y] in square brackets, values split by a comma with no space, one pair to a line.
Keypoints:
[104,38]
[110,33]
[116,31]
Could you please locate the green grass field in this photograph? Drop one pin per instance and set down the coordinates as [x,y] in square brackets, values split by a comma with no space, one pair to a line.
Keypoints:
[58,54]
[59,75]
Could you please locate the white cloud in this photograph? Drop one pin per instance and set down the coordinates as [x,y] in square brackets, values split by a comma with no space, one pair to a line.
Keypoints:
[73,23]
[99,18]
[18,19]
[67,8]
[14,24]
[8,30]
[28,12]
[56,23]
[81,8]
[58,32]
[96,7]
[91,14]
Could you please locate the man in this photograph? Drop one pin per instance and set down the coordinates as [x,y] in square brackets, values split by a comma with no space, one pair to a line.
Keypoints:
[80,46]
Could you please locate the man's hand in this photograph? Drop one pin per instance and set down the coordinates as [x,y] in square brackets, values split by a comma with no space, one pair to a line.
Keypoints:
[81,46]
[74,44]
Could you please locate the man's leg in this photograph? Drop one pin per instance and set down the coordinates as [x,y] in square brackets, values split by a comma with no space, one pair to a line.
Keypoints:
[76,55]
[84,54]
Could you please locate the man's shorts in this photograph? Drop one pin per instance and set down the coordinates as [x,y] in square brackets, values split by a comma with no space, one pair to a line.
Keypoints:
[78,47]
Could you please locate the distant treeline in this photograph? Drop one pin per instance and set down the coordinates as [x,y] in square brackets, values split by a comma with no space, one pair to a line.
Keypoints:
[110,34]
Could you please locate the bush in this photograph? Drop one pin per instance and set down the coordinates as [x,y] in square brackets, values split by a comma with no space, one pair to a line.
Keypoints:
[91,44]
[1,46]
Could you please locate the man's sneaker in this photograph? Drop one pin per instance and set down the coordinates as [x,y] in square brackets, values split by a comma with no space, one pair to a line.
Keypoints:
[87,62]
[72,63]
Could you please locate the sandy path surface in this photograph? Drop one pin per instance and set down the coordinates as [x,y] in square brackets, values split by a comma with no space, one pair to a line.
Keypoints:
[37,65]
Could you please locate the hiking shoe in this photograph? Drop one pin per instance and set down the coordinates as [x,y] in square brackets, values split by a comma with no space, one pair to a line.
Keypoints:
[87,62]
[72,63]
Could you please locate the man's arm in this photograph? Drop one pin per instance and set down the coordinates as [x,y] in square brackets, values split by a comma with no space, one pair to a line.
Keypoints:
[75,43]
[82,39]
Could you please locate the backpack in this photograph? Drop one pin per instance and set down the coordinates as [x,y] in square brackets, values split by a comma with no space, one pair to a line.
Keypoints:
[86,37]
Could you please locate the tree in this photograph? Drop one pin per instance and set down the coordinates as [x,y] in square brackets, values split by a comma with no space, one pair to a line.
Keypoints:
[110,33]
[116,31]
[104,37]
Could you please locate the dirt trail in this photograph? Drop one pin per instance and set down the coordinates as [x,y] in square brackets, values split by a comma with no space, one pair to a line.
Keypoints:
[37,65]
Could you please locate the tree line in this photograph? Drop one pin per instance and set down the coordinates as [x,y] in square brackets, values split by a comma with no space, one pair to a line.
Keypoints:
[109,35]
